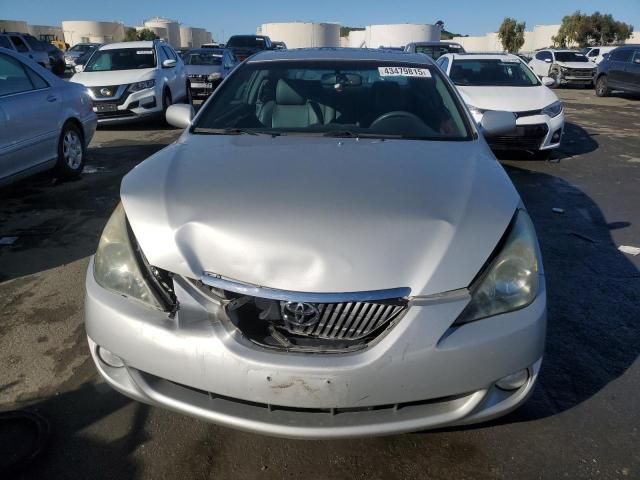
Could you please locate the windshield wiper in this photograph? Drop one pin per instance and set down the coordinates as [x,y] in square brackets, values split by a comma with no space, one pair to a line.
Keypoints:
[352,134]
[233,131]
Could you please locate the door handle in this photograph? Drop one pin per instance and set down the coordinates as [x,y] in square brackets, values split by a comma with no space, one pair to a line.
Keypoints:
[52,98]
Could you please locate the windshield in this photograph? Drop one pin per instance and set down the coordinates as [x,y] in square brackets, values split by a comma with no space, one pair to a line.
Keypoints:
[570,57]
[492,72]
[336,98]
[246,42]
[121,59]
[202,58]
[81,48]
[436,51]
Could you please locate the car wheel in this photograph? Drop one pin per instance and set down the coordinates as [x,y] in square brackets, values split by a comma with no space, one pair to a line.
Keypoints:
[602,87]
[554,74]
[166,100]
[71,152]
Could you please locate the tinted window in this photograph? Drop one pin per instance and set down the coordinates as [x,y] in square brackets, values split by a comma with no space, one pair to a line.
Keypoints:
[328,98]
[505,73]
[4,42]
[570,57]
[444,63]
[202,58]
[543,56]
[169,53]
[20,45]
[436,51]
[121,59]
[636,58]
[37,81]
[621,55]
[13,77]
[594,53]
[246,42]
[82,48]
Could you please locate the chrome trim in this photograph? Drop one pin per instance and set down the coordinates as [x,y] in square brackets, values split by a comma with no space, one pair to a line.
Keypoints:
[216,281]
[445,297]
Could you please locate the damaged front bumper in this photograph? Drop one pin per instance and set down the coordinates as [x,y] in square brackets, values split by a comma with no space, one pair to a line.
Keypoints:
[421,374]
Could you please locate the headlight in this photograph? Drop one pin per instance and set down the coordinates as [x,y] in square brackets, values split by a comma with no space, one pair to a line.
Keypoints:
[136,87]
[511,281]
[553,110]
[116,267]
[564,69]
[476,112]
[214,76]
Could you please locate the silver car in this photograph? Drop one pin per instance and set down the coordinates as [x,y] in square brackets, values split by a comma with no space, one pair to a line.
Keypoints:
[207,68]
[329,250]
[45,122]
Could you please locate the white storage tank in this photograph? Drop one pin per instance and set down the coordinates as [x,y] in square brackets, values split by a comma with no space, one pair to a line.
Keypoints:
[172,26]
[81,31]
[357,38]
[303,34]
[161,32]
[199,37]
[186,37]
[14,26]
[400,34]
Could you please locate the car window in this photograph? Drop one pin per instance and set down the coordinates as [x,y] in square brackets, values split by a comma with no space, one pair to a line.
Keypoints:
[203,57]
[571,57]
[34,44]
[19,44]
[13,77]
[82,48]
[4,42]
[121,59]
[544,55]
[436,51]
[444,63]
[169,53]
[246,41]
[621,55]
[378,99]
[636,57]
[594,53]
[492,72]
[37,80]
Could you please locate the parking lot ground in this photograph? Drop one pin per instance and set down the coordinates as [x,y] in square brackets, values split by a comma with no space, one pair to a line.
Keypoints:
[582,421]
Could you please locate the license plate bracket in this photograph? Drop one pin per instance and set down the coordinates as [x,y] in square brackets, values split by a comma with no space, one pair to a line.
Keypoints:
[106,107]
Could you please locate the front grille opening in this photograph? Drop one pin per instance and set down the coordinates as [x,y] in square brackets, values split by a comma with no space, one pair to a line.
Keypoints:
[309,327]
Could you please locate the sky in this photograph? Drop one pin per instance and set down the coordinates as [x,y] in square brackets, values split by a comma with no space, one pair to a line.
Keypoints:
[225,18]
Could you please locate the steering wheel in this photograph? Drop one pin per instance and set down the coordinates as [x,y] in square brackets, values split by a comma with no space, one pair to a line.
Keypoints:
[395,115]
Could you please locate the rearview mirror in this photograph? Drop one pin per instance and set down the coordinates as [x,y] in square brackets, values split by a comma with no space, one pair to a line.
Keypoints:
[168,64]
[548,81]
[78,68]
[180,115]
[344,79]
[495,123]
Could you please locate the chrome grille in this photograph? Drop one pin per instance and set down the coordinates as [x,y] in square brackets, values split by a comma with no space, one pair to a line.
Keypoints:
[580,73]
[348,321]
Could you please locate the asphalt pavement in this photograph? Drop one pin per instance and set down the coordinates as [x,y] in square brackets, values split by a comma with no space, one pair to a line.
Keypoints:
[582,421]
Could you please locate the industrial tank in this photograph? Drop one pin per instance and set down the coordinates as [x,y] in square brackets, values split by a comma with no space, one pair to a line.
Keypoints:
[172,26]
[303,34]
[14,26]
[199,37]
[81,31]
[399,35]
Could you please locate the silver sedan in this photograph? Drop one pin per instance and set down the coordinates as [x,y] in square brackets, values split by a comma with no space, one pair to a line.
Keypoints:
[45,122]
[329,250]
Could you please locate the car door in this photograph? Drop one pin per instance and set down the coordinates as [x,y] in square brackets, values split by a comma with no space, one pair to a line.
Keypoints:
[176,84]
[632,73]
[593,54]
[31,109]
[618,61]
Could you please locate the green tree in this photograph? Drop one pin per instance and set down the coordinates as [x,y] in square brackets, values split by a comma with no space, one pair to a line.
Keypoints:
[579,29]
[130,35]
[146,34]
[511,34]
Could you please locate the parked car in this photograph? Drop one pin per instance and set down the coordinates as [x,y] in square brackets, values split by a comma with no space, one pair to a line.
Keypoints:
[434,49]
[207,67]
[502,82]
[596,54]
[244,46]
[132,81]
[279,45]
[329,250]
[84,58]
[619,71]
[77,51]
[566,67]
[30,48]
[45,122]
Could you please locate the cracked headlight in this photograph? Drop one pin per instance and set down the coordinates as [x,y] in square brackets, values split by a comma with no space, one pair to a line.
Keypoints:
[553,110]
[136,87]
[511,281]
[116,267]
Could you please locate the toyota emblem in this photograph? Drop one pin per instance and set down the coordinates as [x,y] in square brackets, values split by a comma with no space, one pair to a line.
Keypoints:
[300,314]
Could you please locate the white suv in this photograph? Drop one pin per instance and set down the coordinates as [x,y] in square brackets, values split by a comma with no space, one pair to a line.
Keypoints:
[566,67]
[133,80]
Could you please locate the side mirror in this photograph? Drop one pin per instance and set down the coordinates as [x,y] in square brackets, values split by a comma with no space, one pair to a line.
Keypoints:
[78,68]
[180,115]
[548,81]
[495,123]
[168,64]
[547,60]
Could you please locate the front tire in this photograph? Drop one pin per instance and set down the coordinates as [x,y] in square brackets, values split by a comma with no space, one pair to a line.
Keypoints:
[72,152]
[602,87]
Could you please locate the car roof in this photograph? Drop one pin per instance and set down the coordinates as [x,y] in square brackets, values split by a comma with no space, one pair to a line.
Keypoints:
[482,56]
[356,54]
[140,44]
[434,44]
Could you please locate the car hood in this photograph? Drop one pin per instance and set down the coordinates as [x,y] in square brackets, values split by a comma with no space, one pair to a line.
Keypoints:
[584,65]
[510,99]
[202,69]
[117,77]
[315,214]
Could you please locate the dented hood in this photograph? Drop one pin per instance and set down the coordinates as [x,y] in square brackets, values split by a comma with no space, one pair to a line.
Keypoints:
[317,214]
[510,99]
